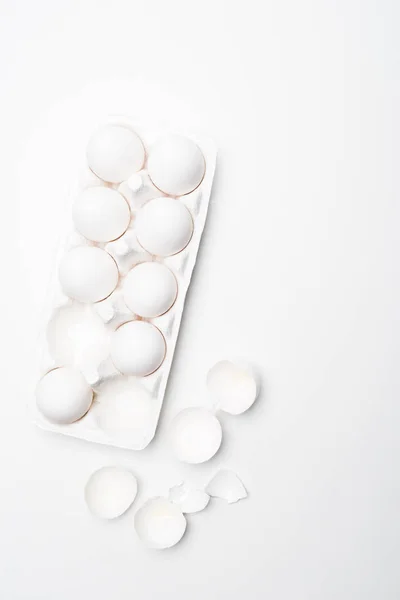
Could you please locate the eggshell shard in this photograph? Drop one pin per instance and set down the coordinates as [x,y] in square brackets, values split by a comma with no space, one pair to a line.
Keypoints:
[101,214]
[150,289]
[164,226]
[190,501]
[125,410]
[227,486]
[110,491]
[88,274]
[137,348]
[114,153]
[176,165]
[160,524]
[63,395]
[76,335]
[195,435]
[232,386]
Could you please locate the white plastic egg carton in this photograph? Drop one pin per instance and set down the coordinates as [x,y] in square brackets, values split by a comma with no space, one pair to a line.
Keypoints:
[125,408]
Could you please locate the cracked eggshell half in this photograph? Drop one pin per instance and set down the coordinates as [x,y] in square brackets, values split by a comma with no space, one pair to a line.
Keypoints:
[195,435]
[226,485]
[160,524]
[114,153]
[150,289]
[164,226]
[63,395]
[101,214]
[233,386]
[110,491]
[137,348]
[176,165]
[88,274]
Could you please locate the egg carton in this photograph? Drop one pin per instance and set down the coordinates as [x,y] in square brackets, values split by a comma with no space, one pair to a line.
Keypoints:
[125,408]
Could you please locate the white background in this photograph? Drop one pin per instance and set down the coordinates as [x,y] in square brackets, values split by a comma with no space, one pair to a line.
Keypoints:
[298,272]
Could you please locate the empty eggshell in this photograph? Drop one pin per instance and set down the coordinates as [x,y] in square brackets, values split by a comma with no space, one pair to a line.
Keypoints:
[137,348]
[164,226]
[63,395]
[189,500]
[232,386]
[88,274]
[110,491]
[114,153]
[150,289]
[176,165]
[101,214]
[160,524]
[196,435]
[226,485]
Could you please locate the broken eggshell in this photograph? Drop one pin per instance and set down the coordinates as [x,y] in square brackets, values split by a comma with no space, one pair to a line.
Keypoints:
[160,524]
[196,435]
[233,386]
[226,485]
[110,491]
[189,500]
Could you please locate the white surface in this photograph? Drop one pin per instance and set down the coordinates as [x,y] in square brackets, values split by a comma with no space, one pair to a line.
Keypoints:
[110,491]
[298,272]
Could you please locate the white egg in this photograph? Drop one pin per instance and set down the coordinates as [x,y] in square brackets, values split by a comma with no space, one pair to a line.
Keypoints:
[164,226]
[63,395]
[101,214]
[150,289]
[88,274]
[195,435]
[160,524]
[137,348]
[232,386]
[110,491]
[176,165]
[114,153]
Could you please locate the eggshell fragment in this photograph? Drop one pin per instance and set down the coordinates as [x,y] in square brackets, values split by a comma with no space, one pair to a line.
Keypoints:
[164,226]
[63,395]
[101,214]
[227,486]
[88,274]
[114,153]
[189,500]
[176,165]
[137,348]
[110,491]
[150,289]
[195,435]
[160,524]
[232,386]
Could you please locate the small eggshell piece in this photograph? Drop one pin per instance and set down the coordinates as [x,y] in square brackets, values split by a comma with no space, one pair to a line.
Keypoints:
[160,524]
[195,435]
[101,214]
[150,289]
[88,274]
[63,395]
[232,386]
[110,491]
[164,226]
[226,485]
[137,348]
[176,165]
[114,153]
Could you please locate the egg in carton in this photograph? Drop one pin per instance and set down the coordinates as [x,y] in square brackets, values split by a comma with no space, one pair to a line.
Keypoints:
[138,213]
